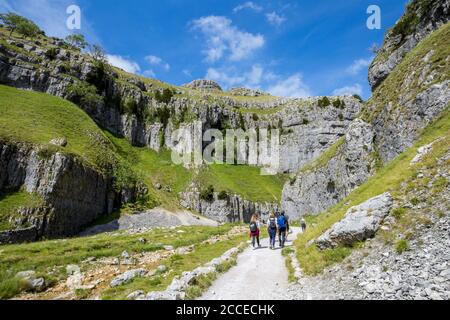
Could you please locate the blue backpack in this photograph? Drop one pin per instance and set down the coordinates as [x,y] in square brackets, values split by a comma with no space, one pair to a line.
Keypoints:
[281,221]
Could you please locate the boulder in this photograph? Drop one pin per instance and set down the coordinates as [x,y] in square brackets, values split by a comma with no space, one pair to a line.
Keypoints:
[127,277]
[31,282]
[59,142]
[360,223]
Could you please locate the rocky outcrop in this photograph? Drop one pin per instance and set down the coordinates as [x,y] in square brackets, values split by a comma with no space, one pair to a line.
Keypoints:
[360,223]
[325,184]
[231,209]
[307,128]
[420,20]
[73,192]
[398,128]
[203,85]
[247,92]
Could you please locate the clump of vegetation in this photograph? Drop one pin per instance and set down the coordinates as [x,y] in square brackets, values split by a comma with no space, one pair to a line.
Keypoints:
[358,97]
[52,53]
[401,246]
[411,18]
[19,24]
[324,102]
[305,121]
[83,94]
[255,117]
[338,103]
[207,194]
[77,41]
[398,213]
[165,96]
[223,195]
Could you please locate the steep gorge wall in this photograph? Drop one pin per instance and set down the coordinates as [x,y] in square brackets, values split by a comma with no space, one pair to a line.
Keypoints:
[74,194]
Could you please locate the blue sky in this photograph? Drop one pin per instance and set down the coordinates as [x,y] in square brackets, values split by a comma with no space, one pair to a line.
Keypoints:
[289,48]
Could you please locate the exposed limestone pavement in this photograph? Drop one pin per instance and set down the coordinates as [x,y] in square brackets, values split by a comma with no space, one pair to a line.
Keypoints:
[260,274]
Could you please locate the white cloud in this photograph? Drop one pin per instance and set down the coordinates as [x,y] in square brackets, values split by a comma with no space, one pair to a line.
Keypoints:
[258,78]
[275,19]
[358,65]
[149,73]
[50,16]
[123,63]
[248,5]
[349,90]
[187,72]
[157,61]
[222,38]
[292,87]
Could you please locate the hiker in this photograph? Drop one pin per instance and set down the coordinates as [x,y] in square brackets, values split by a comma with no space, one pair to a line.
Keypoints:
[288,229]
[254,231]
[303,225]
[281,221]
[272,230]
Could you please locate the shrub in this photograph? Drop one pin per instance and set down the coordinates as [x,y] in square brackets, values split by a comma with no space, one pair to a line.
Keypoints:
[52,53]
[129,106]
[77,41]
[207,194]
[255,117]
[165,97]
[357,97]
[83,94]
[338,103]
[305,121]
[223,195]
[341,117]
[415,201]
[324,102]
[401,246]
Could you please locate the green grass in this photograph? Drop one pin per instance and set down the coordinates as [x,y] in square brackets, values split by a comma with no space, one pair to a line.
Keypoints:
[37,118]
[51,257]
[177,264]
[246,181]
[11,202]
[389,178]
[397,84]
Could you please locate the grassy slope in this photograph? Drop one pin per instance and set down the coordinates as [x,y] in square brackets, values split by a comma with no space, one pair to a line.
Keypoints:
[388,178]
[11,202]
[37,118]
[403,80]
[49,258]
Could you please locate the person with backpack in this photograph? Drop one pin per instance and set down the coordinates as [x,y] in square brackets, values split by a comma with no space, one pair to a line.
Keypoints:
[254,231]
[272,230]
[281,222]
[303,225]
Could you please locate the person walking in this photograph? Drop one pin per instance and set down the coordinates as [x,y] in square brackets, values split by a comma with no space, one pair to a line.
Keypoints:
[254,231]
[281,222]
[303,225]
[272,230]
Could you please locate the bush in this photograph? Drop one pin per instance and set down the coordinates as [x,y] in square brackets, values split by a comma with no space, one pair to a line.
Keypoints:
[207,194]
[357,97]
[223,195]
[324,102]
[340,104]
[401,246]
[305,121]
[77,41]
[165,97]
[255,117]
[52,53]
[83,94]
[130,106]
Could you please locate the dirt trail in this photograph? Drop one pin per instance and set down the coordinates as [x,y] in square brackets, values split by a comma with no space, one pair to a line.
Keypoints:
[260,274]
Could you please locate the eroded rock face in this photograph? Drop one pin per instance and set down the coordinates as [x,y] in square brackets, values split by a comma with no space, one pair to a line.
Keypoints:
[398,128]
[396,47]
[204,85]
[73,193]
[360,223]
[232,209]
[316,190]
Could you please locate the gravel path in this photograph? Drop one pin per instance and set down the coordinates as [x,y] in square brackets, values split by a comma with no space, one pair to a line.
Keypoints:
[260,274]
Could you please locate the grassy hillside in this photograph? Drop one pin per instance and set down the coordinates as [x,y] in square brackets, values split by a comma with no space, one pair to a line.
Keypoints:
[49,258]
[37,118]
[389,178]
